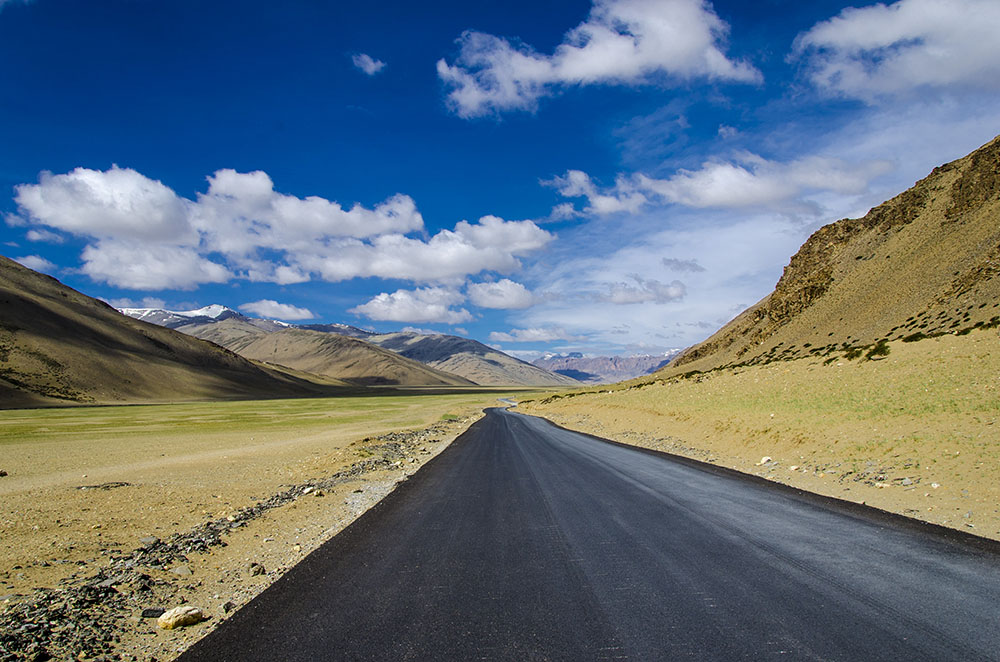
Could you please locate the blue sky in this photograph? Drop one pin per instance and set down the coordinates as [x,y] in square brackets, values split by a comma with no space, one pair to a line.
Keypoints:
[621,176]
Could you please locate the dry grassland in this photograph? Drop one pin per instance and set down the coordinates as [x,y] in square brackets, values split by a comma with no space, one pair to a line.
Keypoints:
[915,433]
[153,471]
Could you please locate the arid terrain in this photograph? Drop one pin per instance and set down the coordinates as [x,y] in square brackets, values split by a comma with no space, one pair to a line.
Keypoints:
[110,511]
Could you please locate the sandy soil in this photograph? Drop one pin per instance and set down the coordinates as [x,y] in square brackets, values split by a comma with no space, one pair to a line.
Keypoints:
[915,433]
[87,485]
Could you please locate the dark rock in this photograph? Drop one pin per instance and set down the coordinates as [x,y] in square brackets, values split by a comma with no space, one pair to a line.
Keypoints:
[256,569]
[153,612]
[229,606]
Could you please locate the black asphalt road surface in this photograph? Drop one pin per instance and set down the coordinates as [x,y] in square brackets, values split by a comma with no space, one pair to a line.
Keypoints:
[524,541]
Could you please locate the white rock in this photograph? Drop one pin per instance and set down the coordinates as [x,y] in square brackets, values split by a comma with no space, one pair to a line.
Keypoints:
[764,460]
[179,617]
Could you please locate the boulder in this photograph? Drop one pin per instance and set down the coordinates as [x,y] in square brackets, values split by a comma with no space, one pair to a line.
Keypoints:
[179,617]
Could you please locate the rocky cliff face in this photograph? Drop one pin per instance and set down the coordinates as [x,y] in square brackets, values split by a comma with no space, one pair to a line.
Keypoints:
[924,262]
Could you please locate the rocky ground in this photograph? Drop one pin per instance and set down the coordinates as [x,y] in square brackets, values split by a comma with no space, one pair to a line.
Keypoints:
[107,607]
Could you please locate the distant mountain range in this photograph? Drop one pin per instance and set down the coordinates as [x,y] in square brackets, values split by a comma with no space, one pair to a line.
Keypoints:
[412,358]
[58,346]
[604,369]
[926,262]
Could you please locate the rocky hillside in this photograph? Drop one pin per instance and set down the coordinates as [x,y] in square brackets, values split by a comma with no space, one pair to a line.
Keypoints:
[60,346]
[926,262]
[603,369]
[470,359]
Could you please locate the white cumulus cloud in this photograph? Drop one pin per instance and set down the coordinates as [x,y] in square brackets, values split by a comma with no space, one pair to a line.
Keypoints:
[896,49]
[504,294]
[142,235]
[118,202]
[623,197]
[367,63]
[423,305]
[273,309]
[140,266]
[621,42]
[36,262]
[744,181]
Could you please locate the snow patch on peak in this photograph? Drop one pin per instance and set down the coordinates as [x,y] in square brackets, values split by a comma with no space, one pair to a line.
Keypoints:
[214,311]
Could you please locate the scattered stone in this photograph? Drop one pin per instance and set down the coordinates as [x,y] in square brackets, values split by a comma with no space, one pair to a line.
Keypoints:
[104,486]
[182,570]
[256,569]
[179,617]
[935,485]
[3,473]
[297,548]
[794,467]
[228,606]
[307,490]
[764,460]
[153,612]
[906,481]
[148,540]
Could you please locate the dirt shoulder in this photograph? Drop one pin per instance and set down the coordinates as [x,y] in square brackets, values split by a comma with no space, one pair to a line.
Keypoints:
[91,557]
[915,433]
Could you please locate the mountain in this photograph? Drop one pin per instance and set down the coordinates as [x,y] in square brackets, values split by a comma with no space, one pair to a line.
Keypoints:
[324,353]
[923,263]
[470,359]
[603,369]
[174,319]
[58,346]
[463,357]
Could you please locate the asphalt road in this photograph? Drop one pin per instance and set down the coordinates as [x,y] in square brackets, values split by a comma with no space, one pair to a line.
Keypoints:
[523,541]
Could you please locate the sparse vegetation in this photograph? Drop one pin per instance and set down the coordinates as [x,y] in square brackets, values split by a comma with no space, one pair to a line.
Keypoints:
[881,348]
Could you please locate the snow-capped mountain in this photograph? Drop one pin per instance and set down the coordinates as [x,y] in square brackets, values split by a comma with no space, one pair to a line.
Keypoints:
[174,318]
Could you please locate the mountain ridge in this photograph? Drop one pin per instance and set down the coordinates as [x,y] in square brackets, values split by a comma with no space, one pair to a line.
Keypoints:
[465,358]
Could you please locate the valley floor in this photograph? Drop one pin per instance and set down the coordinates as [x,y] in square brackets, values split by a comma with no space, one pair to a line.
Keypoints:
[915,433]
[106,512]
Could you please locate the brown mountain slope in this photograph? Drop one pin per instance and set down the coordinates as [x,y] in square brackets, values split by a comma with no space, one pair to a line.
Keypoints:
[332,354]
[470,359]
[926,262]
[59,346]
[225,333]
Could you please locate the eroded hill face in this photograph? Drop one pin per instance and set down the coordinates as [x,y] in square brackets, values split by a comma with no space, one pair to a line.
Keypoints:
[60,346]
[926,262]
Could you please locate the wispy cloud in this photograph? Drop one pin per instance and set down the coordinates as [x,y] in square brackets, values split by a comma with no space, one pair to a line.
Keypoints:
[367,63]
[547,334]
